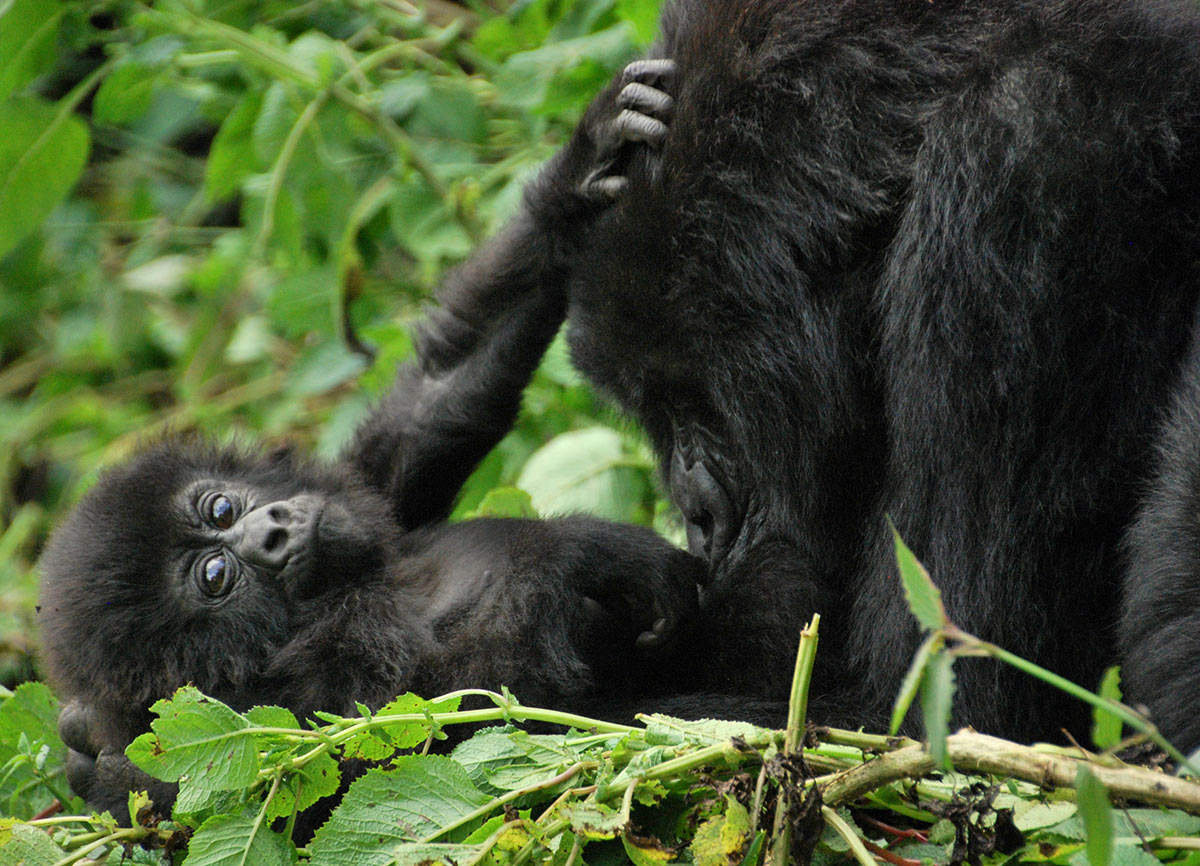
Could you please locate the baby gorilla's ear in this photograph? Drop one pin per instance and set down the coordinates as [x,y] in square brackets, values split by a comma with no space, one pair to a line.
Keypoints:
[282,453]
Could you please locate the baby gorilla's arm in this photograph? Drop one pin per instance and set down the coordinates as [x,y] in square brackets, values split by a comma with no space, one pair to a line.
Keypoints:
[497,313]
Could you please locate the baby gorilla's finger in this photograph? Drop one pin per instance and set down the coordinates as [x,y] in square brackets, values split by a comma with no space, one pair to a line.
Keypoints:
[646,100]
[653,72]
[641,127]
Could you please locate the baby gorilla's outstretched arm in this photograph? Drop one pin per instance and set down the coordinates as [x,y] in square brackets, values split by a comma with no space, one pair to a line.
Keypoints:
[496,314]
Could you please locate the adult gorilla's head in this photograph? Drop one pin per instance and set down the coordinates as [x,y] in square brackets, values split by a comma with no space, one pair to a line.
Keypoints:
[191,563]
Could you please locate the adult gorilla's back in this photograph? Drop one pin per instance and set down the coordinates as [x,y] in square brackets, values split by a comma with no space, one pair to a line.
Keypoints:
[933,260]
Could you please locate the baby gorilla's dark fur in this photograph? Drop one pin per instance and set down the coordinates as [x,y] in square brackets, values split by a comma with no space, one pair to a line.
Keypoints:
[272,578]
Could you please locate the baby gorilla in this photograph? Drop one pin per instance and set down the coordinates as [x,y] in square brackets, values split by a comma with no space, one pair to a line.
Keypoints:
[274,578]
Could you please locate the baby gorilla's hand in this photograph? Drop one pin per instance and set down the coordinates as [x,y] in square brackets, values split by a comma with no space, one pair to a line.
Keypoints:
[631,583]
[97,769]
[655,595]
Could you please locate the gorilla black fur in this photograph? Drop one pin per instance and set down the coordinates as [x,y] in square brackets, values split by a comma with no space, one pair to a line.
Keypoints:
[932,260]
[273,578]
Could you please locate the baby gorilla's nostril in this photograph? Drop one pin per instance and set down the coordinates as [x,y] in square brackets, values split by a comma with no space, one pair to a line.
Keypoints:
[279,512]
[275,540]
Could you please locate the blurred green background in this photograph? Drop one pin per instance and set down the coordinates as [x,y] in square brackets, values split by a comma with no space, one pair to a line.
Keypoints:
[204,204]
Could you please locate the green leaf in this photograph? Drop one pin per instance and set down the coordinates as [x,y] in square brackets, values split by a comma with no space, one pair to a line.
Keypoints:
[386,807]
[42,152]
[238,840]
[232,157]
[22,845]
[505,502]
[1107,725]
[383,742]
[1097,815]
[432,854]
[924,599]
[584,471]
[646,850]
[28,737]
[125,95]
[937,699]
[643,15]
[28,38]
[913,679]
[319,778]
[592,820]
[199,741]
[721,839]
[669,731]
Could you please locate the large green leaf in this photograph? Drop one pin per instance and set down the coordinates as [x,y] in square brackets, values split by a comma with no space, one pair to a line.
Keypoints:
[28,33]
[237,840]
[388,807]
[42,152]
[584,471]
[199,740]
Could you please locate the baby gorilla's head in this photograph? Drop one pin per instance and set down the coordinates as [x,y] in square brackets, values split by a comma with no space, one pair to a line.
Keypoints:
[193,563]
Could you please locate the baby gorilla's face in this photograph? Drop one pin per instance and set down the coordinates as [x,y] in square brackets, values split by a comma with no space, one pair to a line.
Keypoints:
[233,533]
[196,564]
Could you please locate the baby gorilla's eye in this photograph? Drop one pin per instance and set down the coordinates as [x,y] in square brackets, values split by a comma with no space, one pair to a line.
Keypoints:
[216,577]
[220,511]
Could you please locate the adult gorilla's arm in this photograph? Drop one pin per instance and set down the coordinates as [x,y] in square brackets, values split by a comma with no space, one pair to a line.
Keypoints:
[497,313]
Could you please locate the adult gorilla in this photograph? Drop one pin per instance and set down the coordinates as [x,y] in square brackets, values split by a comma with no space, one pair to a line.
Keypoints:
[932,260]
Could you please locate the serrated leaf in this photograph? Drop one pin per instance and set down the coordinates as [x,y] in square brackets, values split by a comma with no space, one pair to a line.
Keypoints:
[22,845]
[669,731]
[383,742]
[720,840]
[319,778]
[937,700]
[198,740]
[32,710]
[265,716]
[592,820]
[1097,814]
[28,37]
[924,598]
[912,680]
[42,152]
[238,840]
[1107,725]
[1034,815]
[387,807]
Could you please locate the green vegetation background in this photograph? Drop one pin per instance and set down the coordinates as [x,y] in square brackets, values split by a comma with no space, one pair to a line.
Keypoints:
[193,193]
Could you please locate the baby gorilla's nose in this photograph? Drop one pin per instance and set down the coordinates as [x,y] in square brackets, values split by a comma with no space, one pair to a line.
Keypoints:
[273,533]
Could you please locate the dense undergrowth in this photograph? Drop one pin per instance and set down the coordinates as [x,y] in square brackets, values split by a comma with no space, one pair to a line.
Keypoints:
[669,790]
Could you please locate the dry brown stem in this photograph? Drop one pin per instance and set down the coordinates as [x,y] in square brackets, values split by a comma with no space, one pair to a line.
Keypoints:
[971,752]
